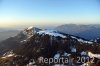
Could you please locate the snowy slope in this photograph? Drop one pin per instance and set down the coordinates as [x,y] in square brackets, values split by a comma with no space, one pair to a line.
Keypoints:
[29,32]
[55,33]
[52,33]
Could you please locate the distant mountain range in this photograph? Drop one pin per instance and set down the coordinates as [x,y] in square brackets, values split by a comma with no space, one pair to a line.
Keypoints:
[33,43]
[89,32]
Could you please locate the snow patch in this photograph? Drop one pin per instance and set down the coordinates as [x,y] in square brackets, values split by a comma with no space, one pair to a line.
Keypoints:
[81,40]
[83,53]
[94,55]
[73,49]
[57,56]
[30,28]
[10,55]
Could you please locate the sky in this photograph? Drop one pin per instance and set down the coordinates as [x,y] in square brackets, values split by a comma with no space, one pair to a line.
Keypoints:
[20,13]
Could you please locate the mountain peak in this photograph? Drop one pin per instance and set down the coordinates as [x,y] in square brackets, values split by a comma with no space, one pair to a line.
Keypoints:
[32,28]
[31,31]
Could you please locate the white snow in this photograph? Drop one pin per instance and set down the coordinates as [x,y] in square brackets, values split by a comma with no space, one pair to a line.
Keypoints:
[81,40]
[59,65]
[23,41]
[85,64]
[94,55]
[83,53]
[57,56]
[30,28]
[66,54]
[29,31]
[51,32]
[30,63]
[10,55]
[98,38]
[7,53]
[73,49]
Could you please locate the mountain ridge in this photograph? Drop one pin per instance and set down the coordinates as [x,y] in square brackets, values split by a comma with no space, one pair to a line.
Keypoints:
[48,44]
[88,32]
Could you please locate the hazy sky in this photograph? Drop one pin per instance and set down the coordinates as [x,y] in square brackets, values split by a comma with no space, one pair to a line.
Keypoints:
[15,13]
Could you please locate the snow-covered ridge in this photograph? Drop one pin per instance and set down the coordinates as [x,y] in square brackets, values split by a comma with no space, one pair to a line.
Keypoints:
[81,40]
[33,30]
[52,33]
[29,32]
[55,33]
